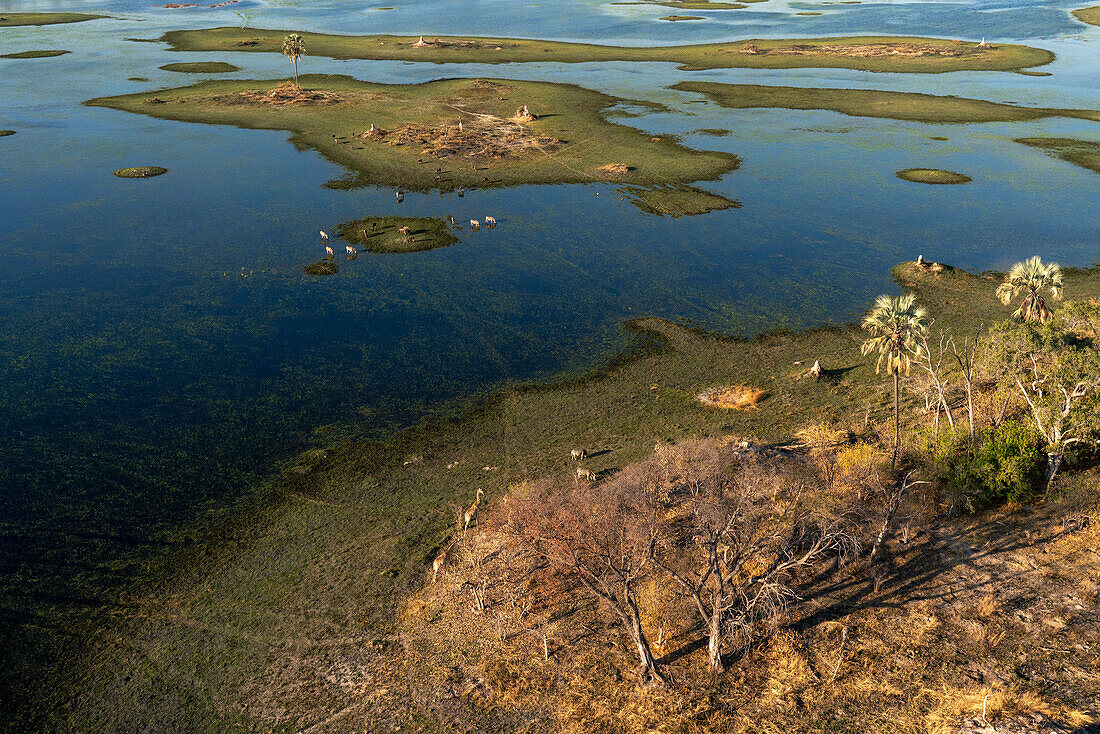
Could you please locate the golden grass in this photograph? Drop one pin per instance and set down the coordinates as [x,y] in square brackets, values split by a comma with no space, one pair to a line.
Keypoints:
[995,703]
[737,397]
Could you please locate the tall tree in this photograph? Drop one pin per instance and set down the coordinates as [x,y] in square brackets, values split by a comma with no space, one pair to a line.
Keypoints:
[895,325]
[1032,278]
[293,48]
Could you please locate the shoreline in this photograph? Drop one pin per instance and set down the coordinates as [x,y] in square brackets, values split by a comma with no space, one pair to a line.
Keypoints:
[347,532]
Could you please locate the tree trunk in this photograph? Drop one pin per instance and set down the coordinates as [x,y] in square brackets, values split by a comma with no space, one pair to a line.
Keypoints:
[647,664]
[296,75]
[1054,463]
[714,641]
[897,423]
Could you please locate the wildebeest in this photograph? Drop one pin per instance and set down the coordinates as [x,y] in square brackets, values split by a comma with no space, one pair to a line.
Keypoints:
[586,474]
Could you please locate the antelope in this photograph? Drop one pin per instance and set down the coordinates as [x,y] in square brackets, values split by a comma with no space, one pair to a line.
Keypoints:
[352,252]
[400,197]
[474,224]
[324,237]
[329,251]
[586,474]
[490,221]
[578,454]
[472,513]
[437,564]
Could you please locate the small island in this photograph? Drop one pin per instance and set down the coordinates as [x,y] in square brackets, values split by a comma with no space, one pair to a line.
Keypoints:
[201,67]
[38,54]
[446,135]
[681,17]
[912,106]
[933,176]
[141,172]
[1088,15]
[397,234]
[321,268]
[867,53]
[11,20]
[5,133]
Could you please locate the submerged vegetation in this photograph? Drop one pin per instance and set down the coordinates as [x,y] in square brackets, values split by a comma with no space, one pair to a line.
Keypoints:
[875,103]
[872,53]
[932,176]
[448,135]
[1084,153]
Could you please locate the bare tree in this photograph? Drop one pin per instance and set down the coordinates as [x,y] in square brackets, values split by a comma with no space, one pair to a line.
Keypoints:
[932,364]
[894,493]
[597,536]
[734,542]
[965,360]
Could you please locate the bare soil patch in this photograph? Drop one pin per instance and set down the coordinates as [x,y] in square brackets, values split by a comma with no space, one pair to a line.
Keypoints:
[483,137]
[736,397]
[288,94]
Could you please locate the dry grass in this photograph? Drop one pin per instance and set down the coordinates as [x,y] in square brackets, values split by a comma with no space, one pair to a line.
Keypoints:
[289,94]
[614,169]
[737,397]
[483,137]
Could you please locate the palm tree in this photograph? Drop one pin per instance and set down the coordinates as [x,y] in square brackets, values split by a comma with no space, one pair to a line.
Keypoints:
[1031,278]
[293,48]
[895,324]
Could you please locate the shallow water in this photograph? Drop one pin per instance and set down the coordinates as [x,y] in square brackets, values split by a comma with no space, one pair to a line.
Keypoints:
[160,349]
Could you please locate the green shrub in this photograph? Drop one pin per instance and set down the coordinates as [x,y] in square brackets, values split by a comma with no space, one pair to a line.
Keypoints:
[1005,464]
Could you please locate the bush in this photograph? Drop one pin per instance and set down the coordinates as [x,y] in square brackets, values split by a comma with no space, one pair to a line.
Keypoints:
[1004,465]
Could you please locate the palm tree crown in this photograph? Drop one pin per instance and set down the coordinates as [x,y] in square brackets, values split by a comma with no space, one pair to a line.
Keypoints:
[293,48]
[895,324]
[1031,278]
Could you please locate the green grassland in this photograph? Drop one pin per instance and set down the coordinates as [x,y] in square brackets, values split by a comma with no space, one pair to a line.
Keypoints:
[1088,15]
[383,234]
[932,176]
[1084,153]
[201,67]
[942,55]
[569,141]
[911,106]
[8,20]
[286,618]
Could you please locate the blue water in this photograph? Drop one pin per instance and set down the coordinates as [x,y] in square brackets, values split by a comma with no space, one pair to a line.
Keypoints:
[161,351]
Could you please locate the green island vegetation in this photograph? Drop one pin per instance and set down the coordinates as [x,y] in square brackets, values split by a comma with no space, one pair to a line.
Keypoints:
[140,172]
[322,267]
[942,513]
[201,67]
[681,17]
[447,135]
[1084,153]
[398,234]
[9,20]
[932,176]
[940,138]
[715,131]
[873,53]
[1088,15]
[912,106]
[676,200]
[137,79]
[38,54]
[5,133]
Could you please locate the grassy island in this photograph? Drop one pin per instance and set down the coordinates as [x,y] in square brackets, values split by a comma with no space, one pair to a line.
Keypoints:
[9,20]
[1088,15]
[321,592]
[42,54]
[690,4]
[397,234]
[321,268]
[201,67]
[912,106]
[876,53]
[1084,153]
[444,134]
[681,17]
[933,176]
[5,133]
[141,172]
